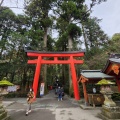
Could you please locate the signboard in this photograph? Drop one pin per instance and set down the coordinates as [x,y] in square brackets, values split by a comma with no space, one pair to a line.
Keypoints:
[42,89]
[12,88]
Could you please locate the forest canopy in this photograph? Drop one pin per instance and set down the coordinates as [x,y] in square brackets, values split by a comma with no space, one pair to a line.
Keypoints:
[75,29]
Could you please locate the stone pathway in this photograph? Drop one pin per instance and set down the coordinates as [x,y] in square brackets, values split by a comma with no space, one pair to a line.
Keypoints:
[48,108]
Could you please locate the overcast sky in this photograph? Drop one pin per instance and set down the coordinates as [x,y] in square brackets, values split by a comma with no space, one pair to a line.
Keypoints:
[107,11]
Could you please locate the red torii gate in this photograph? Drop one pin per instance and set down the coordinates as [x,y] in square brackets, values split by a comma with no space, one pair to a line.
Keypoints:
[55,55]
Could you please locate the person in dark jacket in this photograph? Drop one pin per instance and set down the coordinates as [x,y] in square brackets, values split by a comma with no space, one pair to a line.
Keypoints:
[59,92]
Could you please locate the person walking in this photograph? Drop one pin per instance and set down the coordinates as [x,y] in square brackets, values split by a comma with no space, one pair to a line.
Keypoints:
[59,94]
[30,99]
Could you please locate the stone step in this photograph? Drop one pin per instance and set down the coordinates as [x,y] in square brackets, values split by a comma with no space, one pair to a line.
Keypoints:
[105,118]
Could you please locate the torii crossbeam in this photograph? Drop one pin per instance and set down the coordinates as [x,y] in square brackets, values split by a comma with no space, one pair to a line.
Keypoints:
[55,58]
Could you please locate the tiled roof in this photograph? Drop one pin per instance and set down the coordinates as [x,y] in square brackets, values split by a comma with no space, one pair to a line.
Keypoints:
[55,52]
[116,60]
[111,60]
[95,74]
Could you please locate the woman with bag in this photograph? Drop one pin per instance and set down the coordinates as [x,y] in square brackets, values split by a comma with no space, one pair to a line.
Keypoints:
[30,99]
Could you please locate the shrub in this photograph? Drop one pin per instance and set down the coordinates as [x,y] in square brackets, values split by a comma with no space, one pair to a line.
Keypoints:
[16,94]
[116,96]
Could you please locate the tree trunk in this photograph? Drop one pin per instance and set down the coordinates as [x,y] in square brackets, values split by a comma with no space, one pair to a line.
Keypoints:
[24,80]
[12,76]
[70,80]
[45,39]
[45,66]
[85,39]
[70,43]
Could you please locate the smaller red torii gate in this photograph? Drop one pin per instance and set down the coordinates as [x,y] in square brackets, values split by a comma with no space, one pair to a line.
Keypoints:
[70,59]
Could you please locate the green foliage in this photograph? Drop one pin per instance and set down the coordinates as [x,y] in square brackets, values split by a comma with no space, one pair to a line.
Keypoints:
[7,18]
[74,30]
[69,10]
[71,14]
[40,20]
[6,14]
[116,37]
[30,30]
[114,44]
[84,66]
[116,96]
[96,58]
[46,22]
[61,43]
[94,36]
[97,61]
[16,95]
[50,44]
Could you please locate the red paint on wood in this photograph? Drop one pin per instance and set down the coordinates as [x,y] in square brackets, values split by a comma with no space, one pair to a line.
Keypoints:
[70,60]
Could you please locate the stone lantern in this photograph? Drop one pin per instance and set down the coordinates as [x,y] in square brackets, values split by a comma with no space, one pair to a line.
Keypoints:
[105,89]
[3,91]
[109,110]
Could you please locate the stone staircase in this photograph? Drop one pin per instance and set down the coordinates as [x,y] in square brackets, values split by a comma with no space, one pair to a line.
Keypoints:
[3,113]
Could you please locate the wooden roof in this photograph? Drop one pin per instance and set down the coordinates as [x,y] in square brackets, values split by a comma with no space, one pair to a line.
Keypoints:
[93,76]
[55,52]
[112,66]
